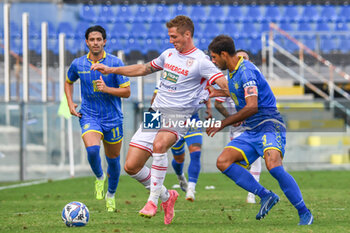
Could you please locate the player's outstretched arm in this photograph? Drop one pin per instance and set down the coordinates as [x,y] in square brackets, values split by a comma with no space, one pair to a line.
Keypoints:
[68,90]
[130,71]
[220,107]
[123,92]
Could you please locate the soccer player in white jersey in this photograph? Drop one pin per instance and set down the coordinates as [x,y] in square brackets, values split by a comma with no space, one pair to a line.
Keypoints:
[235,131]
[185,71]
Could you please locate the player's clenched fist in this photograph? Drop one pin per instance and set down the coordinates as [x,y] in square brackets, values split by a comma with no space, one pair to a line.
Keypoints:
[101,67]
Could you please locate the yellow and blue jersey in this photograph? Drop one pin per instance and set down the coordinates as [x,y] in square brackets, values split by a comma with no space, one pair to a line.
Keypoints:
[95,104]
[246,75]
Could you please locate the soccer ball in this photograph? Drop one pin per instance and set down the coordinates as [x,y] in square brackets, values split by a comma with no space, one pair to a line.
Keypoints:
[75,214]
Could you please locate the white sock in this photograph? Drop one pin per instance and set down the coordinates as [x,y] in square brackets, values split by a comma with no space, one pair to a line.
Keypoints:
[158,172]
[144,177]
[255,169]
[110,195]
[192,186]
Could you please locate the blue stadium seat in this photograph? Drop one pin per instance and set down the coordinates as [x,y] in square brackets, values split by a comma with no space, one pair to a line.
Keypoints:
[344,44]
[34,45]
[15,30]
[232,29]
[198,13]
[290,46]
[51,30]
[142,14]
[235,14]
[309,41]
[88,13]
[120,30]
[272,13]
[322,26]
[106,14]
[216,14]
[305,26]
[151,45]
[341,26]
[180,9]
[328,14]
[53,46]
[203,43]
[66,27]
[265,27]
[124,14]
[73,45]
[16,45]
[253,46]
[254,14]
[310,13]
[81,28]
[157,30]
[138,30]
[134,49]
[165,44]
[328,44]
[291,14]
[210,30]
[344,13]
[241,43]
[161,13]
[33,30]
[248,30]
[287,26]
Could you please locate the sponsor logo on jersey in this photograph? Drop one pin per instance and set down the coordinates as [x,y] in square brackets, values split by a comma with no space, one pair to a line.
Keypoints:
[86,126]
[249,84]
[189,62]
[169,88]
[84,72]
[176,69]
[170,76]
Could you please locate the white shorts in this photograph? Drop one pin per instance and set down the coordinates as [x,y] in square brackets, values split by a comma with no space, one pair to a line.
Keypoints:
[143,138]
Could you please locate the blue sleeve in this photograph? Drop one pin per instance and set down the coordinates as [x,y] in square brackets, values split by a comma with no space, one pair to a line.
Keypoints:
[72,73]
[248,78]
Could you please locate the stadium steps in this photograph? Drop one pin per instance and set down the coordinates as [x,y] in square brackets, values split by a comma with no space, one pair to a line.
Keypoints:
[284,89]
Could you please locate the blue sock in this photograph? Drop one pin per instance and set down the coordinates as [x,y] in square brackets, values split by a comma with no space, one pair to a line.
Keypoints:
[245,180]
[194,167]
[178,167]
[290,188]
[113,173]
[95,160]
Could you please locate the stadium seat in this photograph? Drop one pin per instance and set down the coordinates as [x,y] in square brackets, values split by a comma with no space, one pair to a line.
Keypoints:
[216,14]
[328,44]
[291,14]
[203,43]
[322,26]
[134,50]
[16,45]
[52,45]
[81,28]
[310,14]
[138,30]
[15,30]
[272,13]
[120,30]
[210,30]
[253,46]
[161,13]
[287,26]
[305,26]
[142,14]
[88,13]
[180,9]
[235,14]
[165,44]
[328,14]
[248,30]
[124,14]
[232,29]
[151,45]
[198,13]
[66,28]
[344,44]
[341,26]
[51,30]
[106,14]
[344,13]
[254,14]
[73,46]
[309,41]
[241,43]
[157,30]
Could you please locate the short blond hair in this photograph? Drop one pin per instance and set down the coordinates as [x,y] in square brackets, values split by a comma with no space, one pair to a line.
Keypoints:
[182,23]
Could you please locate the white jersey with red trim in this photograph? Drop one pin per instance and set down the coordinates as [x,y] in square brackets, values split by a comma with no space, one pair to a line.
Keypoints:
[184,77]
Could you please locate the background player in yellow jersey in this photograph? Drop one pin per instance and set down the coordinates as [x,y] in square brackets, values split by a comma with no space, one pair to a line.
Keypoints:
[101,117]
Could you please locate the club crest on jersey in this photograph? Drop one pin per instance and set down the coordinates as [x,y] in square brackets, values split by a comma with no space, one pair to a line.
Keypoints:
[86,126]
[170,54]
[170,76]
[189,62]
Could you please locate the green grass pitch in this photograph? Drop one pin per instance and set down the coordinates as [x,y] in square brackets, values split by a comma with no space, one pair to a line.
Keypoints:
[37,208]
